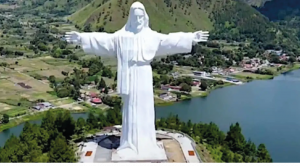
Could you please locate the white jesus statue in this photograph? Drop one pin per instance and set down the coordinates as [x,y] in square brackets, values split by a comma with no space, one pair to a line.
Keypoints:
[135,46]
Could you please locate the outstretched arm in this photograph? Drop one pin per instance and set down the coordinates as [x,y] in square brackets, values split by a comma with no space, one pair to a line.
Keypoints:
[180,42]
[101,44]
[175,43]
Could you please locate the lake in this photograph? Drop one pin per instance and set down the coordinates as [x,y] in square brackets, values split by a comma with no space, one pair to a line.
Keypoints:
[267,110]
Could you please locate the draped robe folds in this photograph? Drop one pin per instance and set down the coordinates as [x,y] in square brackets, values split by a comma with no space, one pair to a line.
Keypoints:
[135,85]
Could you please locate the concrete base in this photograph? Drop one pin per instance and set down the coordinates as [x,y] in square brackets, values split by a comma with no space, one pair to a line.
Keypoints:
[160,157]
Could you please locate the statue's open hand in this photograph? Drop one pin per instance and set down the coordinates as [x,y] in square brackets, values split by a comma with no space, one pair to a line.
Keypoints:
[201,36]
[73,37]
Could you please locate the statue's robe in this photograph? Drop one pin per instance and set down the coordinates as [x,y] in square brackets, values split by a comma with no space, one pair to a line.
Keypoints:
[134,53]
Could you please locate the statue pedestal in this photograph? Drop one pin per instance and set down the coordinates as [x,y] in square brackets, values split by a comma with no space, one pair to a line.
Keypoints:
[160,156]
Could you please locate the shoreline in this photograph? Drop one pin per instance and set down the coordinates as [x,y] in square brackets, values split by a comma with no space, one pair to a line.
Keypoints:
[160,103]
[31,117]
[245,79]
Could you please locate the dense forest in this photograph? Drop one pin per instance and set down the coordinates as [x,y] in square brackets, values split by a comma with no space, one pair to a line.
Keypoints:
[285,13]
[55,139]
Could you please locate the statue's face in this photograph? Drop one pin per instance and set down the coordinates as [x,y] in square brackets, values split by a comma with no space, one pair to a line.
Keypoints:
[138,18]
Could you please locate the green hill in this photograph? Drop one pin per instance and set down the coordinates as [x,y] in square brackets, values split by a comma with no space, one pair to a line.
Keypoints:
[228,20]
[231,20]
[285,13]
[164,15]
[55,7]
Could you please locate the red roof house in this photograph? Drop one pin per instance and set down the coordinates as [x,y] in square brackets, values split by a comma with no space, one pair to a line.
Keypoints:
[96,101]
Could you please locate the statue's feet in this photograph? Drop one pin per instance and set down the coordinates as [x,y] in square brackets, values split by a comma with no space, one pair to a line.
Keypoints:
[127,153]
[147,153]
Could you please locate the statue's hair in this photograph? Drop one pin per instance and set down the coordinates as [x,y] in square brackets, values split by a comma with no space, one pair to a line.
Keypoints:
[136,5]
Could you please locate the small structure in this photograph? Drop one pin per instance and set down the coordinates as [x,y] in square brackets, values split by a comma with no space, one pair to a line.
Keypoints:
[88,153]
[177,88]
[191,153]
[165,96]
[43,106]
[175,75]
[164,87]
[92,95]
[96,100]
[196,82]
[119,127]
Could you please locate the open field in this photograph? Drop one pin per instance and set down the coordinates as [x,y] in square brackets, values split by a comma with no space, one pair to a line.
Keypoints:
[17,82]
[183,69]
[5,107]
[62,101]
[252,75]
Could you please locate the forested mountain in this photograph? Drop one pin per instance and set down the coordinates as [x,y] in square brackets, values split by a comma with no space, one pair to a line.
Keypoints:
[231,20]
[286,13]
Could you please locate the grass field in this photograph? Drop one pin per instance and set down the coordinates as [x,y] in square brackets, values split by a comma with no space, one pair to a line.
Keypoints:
[244,75]
[183,69]
[11,93]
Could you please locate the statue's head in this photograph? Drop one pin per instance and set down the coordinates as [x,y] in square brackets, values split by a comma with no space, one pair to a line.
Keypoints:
[138,17]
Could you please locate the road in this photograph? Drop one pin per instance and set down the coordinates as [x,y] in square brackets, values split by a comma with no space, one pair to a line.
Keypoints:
[211,78]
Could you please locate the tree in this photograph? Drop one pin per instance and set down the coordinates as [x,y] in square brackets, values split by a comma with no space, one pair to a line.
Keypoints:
[203,85]
[87,28]
[52,79]
[113,86]
[185,87]
[96,80]
[106,90]
[60,151]
[235,139]
[102,84]
[116,76]
[178,95]
[263,155]
[5,118]
[80,129]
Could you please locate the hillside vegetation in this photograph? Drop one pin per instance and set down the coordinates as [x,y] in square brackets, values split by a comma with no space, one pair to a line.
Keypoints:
[164,15]
[56,7]
[228,20]
[284,13]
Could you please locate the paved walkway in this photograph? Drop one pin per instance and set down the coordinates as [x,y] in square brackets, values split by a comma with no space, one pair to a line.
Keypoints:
[186,145]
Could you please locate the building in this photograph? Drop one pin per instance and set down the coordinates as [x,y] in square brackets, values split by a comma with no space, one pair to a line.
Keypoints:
[169,88]
[96,100]
[201,73]
[43,106]
[279,52]
[176,88]
[196,83]
[165,96]
[165,87]
[92,95]
[175,75]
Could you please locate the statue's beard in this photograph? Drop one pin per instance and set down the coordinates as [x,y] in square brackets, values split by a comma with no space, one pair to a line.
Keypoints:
[138,26]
